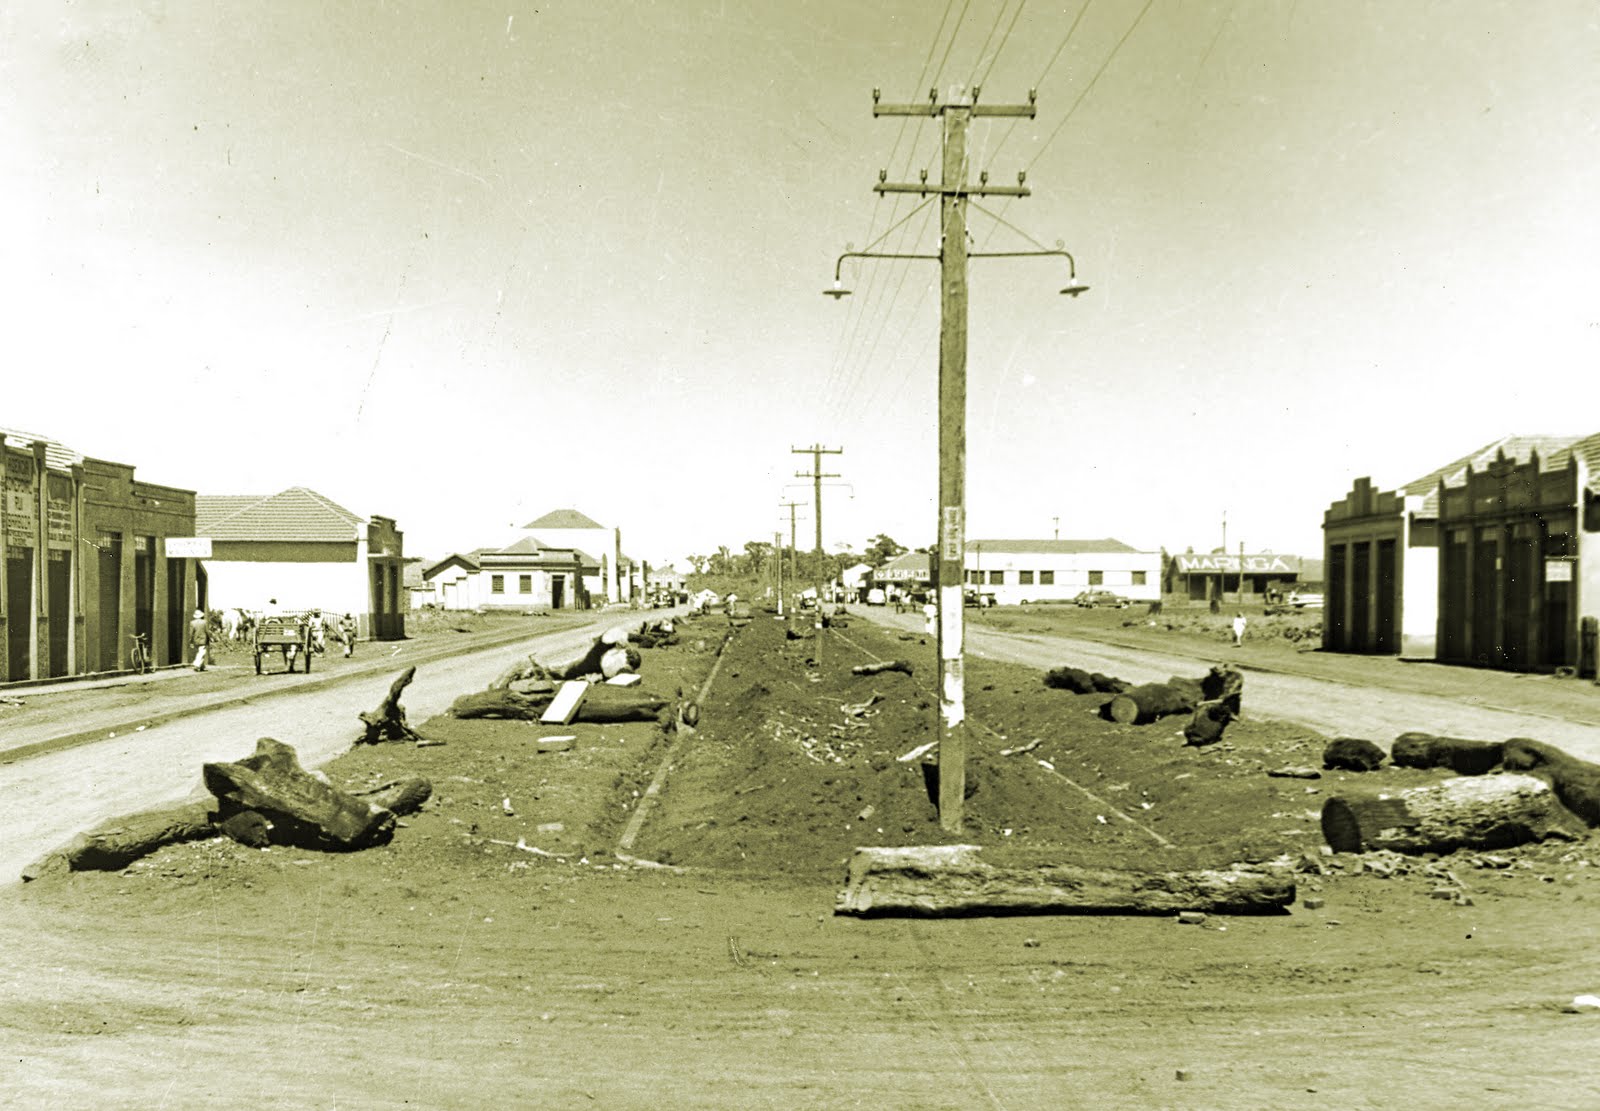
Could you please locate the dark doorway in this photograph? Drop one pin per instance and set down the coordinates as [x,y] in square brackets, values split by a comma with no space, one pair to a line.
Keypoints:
[1486,650]
[1455,597]
[558,591]
[1361,597]
[59,610]
[109,610]
[1334,611]
[144,589]
[1388,597]
[19,612]
[176,611]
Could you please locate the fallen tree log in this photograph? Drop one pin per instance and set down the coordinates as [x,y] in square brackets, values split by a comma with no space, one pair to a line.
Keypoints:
[1464,757]
[1471,812]
[388,721]
[937,881]
[586,660]
[1575,782]
[501,703]
[401,797]
[881,667]
[603,703]
[1224,685]
[1143,704]
[1355,754]
[302,809]
[1079,681]
[1208,723]
[115,845]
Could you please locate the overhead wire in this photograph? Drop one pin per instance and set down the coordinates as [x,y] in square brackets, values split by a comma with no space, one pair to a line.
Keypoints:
[850,327]
[1132,27]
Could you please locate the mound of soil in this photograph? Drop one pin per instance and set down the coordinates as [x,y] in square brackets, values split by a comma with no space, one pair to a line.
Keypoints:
[797,762]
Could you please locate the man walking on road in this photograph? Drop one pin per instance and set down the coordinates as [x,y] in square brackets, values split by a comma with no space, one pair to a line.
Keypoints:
[200,639]
[1238,629]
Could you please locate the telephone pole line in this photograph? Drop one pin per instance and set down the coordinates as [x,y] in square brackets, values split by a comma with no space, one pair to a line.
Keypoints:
[956,112]
[790,506]
[816,474]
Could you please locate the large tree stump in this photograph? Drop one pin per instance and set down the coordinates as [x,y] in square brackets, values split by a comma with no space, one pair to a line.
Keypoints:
[1224,685]
[1471,812]
[302,809]
[1576,782]
[1355,754]
[119,843]
[1143,704]
[937,881]
[388,721]
[586,660]
[1424,750]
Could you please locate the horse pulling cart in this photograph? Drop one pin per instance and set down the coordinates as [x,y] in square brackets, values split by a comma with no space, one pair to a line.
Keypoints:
[287,636]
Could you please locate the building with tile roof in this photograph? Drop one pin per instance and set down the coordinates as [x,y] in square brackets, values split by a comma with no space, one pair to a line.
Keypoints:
[618,577]
[303,551]
[1477,562]
[91,557]
[1016,572]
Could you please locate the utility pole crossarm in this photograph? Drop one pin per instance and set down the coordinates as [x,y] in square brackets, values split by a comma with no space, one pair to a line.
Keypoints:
[924,189]
[1015,111]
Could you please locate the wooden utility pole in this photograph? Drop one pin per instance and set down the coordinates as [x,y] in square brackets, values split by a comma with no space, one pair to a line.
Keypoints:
[817,451]
[777,562]
[794,566]
[957,113]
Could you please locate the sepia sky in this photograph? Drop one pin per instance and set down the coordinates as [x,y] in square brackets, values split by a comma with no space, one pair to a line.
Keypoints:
[463,263]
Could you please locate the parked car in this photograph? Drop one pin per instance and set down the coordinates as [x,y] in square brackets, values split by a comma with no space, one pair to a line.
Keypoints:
[1091,598]
[1305,601]
[978,598]
[876,597]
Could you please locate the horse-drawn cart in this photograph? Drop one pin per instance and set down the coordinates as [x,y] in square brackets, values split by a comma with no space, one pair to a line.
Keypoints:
[288,636]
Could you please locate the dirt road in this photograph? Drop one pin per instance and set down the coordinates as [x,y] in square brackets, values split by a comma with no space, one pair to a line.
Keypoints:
[1356,708]
[50,797]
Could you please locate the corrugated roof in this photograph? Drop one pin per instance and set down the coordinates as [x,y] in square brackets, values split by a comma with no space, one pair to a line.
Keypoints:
[1051,547]
[910,561]
[56,455]
[1553,452]
[563,518]
[295,514]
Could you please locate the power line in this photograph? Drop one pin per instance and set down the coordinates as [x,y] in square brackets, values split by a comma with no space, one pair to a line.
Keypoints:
[1087,88]
[984,79]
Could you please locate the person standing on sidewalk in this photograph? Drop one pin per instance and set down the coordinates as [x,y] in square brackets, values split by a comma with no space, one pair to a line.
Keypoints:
[347,634]
[200,639]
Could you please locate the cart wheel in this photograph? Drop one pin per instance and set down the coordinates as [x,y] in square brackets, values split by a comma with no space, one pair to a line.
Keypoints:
[258,661]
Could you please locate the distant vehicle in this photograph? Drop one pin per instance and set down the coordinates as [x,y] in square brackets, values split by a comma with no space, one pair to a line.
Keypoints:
[977,598]
[876,597]
[1089,599]
[1305,601]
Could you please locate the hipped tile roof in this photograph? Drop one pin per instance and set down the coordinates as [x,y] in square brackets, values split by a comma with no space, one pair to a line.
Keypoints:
[1051,547]
[296,514]
[563,519]
[1553,453]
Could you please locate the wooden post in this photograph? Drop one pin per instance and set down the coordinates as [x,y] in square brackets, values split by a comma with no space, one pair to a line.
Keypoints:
[952,471]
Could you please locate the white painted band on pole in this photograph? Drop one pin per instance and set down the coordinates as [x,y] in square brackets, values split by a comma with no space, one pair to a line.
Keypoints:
[950,622]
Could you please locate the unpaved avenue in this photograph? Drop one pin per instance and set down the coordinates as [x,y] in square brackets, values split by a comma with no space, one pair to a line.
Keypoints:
[51,797]
[1332,708]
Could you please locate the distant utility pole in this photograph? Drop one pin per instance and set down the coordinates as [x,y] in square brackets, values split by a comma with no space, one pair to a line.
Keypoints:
[817,451]
[791,506]
[777,563]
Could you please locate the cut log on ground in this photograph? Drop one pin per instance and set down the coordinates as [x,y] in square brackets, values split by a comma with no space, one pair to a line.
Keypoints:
[1143,704]
[117,844]
[501,703]
[1208,723]
[1079,681]
[1353,754]
[302,809]
[606,703]
[403,796]
[881,667]
[388,721]
[1471,812]
[1424,750]
[587,659]
[950,881]
[1576,782]
[1225,685]
[524,668]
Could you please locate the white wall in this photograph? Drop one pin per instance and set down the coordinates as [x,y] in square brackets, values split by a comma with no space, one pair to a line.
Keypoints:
[1071,572]
[331,587]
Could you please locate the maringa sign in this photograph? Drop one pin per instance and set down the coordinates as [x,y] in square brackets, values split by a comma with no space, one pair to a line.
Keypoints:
[1226,564]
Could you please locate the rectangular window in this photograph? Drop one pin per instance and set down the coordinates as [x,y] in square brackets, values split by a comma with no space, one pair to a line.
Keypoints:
[997,578]
[1138,578]
[1097,578]
[974,577]
[525,584]
[1047,578]
[1024,578]
[497,584]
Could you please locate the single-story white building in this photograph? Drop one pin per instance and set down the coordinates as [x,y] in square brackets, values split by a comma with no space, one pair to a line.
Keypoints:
[1018,571]
[306,552]
[529,575]
[615,577]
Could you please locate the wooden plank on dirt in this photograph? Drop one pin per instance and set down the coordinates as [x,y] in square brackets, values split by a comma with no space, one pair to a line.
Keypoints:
[564,706]
[948,881]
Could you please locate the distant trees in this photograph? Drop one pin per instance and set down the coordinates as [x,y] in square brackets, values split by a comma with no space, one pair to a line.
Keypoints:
[881,549]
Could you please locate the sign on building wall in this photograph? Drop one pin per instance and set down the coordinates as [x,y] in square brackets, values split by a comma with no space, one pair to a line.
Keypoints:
[58,513]
[1558,570]
[1229,565]
[188,547]
[18,505]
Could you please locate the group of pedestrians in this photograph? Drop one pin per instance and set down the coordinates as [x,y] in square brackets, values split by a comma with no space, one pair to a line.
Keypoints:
[201,636]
